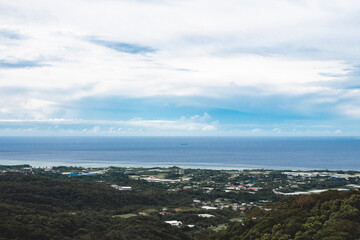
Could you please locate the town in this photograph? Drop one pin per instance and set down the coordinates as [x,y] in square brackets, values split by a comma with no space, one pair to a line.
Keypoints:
[203,198]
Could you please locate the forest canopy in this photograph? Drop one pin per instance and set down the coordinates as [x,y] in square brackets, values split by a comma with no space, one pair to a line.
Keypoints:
[330,215]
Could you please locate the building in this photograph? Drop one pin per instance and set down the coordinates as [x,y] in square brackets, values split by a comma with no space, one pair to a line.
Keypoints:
[174,223]
[205,215]
[209,208]
[121,188]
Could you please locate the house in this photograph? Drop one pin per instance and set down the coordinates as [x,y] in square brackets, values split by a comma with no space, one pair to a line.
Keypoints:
[121,188]
[204,215]
[174,223]
[209,208]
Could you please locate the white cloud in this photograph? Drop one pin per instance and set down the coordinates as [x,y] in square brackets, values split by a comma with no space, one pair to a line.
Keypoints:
[191,125]
[215,49]
[277,130]
[208,128]
[257,130]
[350,110]
[182,126]
[338,131]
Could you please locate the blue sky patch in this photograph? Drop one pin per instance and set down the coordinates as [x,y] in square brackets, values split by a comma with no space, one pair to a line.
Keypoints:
[10,34]
[21,64]
[124,47]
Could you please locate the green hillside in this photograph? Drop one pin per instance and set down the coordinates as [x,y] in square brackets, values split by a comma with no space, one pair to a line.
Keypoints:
[33,207]
[331,215]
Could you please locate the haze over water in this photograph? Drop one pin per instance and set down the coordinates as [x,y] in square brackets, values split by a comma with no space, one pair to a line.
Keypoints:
[190,152]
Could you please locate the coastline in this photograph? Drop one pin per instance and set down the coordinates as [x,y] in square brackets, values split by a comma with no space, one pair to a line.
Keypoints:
[209,166]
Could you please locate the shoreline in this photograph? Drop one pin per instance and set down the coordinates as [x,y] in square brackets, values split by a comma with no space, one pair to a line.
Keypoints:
[42,164]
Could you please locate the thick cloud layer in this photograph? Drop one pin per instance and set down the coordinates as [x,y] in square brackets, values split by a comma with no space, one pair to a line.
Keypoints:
[254,67]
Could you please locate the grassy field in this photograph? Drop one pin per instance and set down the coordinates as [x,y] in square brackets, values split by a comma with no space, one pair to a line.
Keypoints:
[220,227]
[236,220]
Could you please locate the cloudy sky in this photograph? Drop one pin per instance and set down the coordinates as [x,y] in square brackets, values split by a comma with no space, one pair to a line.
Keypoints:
[180,67]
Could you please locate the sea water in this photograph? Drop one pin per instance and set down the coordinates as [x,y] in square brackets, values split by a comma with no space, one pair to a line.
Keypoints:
[189,152]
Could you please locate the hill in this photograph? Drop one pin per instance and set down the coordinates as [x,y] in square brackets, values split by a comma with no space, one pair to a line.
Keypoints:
[34,207]
[331,215]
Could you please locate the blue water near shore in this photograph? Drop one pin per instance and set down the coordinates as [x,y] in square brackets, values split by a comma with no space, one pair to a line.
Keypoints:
[189,152]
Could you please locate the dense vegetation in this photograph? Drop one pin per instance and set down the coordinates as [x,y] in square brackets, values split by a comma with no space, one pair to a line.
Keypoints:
[331,215]
[78,203]
[33,207]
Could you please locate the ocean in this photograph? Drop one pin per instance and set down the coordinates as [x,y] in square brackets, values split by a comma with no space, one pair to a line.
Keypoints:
[188,152]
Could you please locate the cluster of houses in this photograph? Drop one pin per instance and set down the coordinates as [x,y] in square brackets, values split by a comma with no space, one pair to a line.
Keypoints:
[247,187]
[222,204]
[177,223]
[162,180]
[323,174]
[85,172]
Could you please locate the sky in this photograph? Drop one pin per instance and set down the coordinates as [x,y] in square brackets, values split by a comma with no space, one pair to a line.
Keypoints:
[180,68]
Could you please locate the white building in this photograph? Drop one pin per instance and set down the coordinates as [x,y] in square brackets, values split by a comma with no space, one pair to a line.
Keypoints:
[209,208]
[174,223]
[121,188]
[205,215]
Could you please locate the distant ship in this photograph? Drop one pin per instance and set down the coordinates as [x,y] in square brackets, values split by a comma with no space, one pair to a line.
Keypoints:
[183,144]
